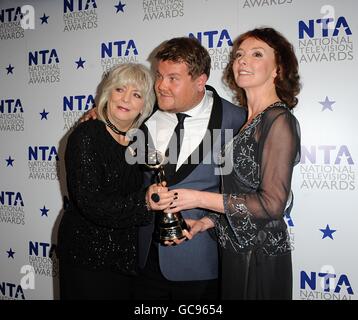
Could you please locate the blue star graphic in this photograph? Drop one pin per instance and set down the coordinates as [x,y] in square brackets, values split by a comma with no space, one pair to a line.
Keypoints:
[44,19]
[340,30]
[44,211]
[327,104]
[120,6]
[80,63]
[9,161]
[9,69]
[44,114]
[327,232]
[10,253]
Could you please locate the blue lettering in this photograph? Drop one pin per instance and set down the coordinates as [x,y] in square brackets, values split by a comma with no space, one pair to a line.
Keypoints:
[308,29]
[34,57]
[34,153]
[210,35]
[34,248]
[343,150]
[131,45]
[344,280]
[53,54]
[326,277]
[342,22]
[9,103]
[10,16]
[69,5]
[325,27]
[311,281]
[19,291]
[6,198]
[224,35]
[119,45]
[107,50]
[68,102]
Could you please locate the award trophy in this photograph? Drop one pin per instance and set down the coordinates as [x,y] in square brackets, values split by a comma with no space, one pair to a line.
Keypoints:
[171,225]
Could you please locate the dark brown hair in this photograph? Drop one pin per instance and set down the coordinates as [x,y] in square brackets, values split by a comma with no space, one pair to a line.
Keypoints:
[287,82]
[187,50]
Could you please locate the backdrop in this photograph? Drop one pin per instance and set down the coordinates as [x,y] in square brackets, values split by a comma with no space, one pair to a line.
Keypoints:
[53,54]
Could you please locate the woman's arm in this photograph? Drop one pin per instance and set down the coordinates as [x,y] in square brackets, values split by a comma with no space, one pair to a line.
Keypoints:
[183,199]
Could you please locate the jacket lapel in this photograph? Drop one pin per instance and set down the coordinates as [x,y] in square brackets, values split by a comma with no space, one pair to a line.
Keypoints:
[215,122]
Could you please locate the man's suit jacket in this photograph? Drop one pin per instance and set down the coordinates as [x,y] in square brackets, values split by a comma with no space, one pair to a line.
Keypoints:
[196,259]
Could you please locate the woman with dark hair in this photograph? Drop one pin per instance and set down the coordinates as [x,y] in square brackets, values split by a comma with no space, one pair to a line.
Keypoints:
[255,244]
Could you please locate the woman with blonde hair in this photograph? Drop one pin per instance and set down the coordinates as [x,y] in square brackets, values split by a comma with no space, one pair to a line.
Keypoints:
[98,233]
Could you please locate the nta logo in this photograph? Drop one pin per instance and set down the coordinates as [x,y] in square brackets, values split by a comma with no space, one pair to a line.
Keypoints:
[328,283]
[71,5]
[321,27]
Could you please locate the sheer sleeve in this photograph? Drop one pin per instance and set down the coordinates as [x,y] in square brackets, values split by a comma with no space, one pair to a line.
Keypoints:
[278,138]
[103,206]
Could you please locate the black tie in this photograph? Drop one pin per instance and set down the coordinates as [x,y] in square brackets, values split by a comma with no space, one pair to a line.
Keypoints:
[177,137]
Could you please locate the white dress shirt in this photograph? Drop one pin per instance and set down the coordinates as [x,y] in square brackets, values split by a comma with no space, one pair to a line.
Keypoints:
[161,127]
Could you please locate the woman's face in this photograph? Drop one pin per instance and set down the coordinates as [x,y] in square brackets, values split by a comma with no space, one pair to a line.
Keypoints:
[254,65]
[124,105]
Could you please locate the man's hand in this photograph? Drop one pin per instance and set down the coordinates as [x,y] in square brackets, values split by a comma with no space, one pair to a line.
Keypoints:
[195,227]
[89,115]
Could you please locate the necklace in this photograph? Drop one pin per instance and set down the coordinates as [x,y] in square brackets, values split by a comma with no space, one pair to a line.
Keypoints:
[114,128]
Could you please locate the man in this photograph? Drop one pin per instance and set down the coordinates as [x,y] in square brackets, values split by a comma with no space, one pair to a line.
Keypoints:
[188,270]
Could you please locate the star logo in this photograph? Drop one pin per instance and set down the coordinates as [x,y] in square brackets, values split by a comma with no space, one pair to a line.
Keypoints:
[327,104]
[10,253]
[44,19]
[341,29]
[80,63]
[120,6]
[327,232]
[9,69]
[44,114]
[9,161]
[44,211]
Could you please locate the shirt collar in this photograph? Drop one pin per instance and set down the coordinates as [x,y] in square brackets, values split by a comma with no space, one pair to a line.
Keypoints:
[197,110]
[203,104]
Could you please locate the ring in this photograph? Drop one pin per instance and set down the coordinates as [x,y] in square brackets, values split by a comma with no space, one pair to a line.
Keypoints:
[155,197]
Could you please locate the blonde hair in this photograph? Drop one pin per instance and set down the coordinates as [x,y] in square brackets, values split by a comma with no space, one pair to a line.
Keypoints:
[125,74]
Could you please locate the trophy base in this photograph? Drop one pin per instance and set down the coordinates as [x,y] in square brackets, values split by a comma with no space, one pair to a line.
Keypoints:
[172,233]
[172,230]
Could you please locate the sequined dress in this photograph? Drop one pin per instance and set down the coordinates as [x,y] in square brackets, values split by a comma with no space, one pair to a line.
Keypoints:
[98,229]
[253,236]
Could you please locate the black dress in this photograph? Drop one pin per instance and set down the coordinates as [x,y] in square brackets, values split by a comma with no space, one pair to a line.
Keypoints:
[255,244]
[98,231]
